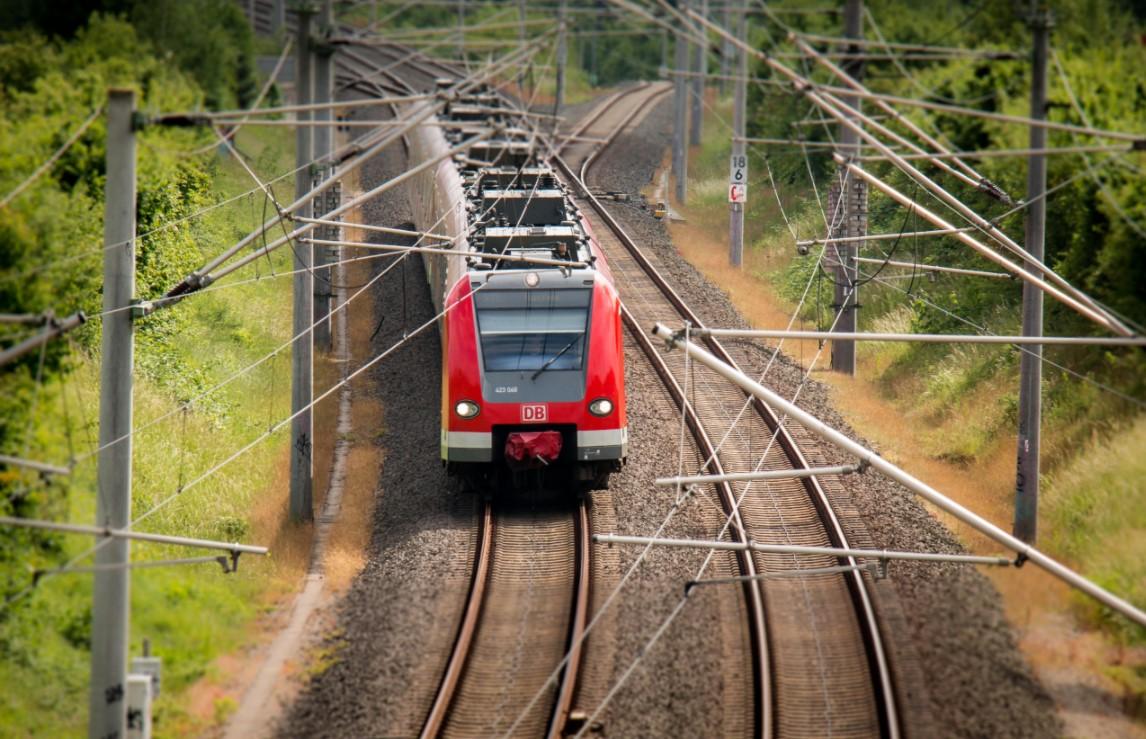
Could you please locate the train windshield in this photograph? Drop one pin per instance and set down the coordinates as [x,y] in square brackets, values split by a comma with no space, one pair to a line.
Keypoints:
[527,330]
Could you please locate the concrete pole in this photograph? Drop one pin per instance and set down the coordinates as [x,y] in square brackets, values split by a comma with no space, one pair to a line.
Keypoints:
[278,15]
[847,201]
[323,135]
[680,116]
[664,50]
[726,49]
[700,67]
[302,351]
[594,72]
[462,31]
[1030,366]
[739,148]
[562,55]
[521,43]
[111,587]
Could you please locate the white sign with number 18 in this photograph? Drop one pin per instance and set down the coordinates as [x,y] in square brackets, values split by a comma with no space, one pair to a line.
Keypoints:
[738,169]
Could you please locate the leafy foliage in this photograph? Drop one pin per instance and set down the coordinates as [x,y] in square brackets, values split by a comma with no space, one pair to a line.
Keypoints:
[1095,231]
[51,258]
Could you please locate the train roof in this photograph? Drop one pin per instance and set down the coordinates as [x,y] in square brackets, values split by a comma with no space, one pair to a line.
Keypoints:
[518,207]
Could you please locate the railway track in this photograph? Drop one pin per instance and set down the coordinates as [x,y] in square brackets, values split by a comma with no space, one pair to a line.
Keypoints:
[820,662]
[527,606]
[529,595]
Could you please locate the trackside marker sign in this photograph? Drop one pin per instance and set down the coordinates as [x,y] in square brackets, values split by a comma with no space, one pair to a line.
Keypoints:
[738,178]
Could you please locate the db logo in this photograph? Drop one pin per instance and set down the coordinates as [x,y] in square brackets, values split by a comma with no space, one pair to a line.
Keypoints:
[534,414]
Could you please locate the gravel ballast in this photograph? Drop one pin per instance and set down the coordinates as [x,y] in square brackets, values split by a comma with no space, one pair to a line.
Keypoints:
[397,621]
[379,668]
[377,671]
[975,681]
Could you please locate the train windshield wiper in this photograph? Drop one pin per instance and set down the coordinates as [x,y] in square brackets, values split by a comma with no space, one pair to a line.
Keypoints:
[555,357]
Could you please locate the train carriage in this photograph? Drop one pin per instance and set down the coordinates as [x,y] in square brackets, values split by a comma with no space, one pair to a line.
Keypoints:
[532,354]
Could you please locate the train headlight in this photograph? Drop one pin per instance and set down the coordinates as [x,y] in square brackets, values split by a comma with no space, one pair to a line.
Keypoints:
[601,407]
[467,409]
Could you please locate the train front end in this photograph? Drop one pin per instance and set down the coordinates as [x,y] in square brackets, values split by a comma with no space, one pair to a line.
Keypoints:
[534,378]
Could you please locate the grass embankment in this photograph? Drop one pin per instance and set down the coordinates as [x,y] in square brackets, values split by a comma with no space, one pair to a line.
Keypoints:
[962,398]
[190,614]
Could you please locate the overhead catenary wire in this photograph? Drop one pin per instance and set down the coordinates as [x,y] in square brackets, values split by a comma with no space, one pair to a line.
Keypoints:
[995,153]
[79,254]
[929,92]
[920,337]
[755,546]
[248,114]
[836,107]
[890,56]
[194,482]
[207,278]
[290,341]
[366,150]
[1103,187]
[869,43]
[446,252]
[1137,139]
[964,173]
[272,78]
[55,157]
[935,267]
[403,36]
[882,237]
[676,506]
[1086,310]
[55,328]
[1026,551]
[1082,377]
[413,53]
[108,532]
[200,277]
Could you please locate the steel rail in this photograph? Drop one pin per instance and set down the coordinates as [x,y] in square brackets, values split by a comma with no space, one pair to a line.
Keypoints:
[466,630]
[579,600]
[574,647]
[603,146]
[753,597]
[593,117]
[881,674]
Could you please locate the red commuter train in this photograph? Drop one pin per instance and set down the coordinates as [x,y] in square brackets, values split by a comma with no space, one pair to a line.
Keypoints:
[532,355]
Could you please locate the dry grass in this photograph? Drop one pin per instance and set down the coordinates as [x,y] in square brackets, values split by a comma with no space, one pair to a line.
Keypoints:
[290,543]
[349,536]
[703,240]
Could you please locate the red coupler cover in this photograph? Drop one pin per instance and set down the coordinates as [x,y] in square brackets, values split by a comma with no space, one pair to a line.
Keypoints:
[526,446]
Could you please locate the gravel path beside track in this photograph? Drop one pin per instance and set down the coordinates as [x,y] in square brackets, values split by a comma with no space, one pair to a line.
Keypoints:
[974,680]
